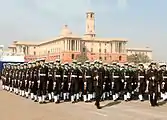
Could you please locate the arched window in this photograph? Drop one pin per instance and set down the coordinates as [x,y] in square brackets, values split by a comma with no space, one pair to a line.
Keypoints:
[72,56]
[120,58]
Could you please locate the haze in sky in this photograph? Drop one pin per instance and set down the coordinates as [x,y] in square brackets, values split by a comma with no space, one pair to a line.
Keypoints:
[142,22]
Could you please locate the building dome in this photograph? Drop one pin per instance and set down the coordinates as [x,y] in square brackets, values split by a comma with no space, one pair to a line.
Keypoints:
[65,31]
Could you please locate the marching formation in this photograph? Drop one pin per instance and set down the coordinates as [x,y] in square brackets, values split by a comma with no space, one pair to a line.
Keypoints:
[56,82]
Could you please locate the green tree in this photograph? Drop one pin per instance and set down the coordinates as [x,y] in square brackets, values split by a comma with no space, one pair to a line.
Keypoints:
[137,58]
[82,58]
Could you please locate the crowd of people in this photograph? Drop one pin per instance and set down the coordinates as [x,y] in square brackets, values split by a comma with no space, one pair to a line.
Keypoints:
[55,82]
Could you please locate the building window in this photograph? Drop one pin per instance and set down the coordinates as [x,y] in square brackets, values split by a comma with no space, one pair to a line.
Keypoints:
[34,53]
[99,50]
[34,47]
[72,56]
[100,58]
[105,58]
[105,44]
[110,57]
[105,50]
[91,49]
[84,49]
[120,58]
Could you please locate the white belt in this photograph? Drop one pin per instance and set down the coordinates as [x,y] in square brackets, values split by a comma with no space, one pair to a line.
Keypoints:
[115,76]
[88,76]
[141,76]
[65,76]
[80,76]
[73,75]
[42,74]
[126,76]
[50,75]
[57,75]
[84,83]
[164,77]
[97,77]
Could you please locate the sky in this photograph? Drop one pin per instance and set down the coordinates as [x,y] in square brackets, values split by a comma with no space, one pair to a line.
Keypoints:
[142,22]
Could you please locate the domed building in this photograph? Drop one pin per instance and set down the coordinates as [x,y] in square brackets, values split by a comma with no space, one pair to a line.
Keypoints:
[68,46]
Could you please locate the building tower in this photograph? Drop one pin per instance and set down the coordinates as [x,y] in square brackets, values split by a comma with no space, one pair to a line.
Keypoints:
[90,24]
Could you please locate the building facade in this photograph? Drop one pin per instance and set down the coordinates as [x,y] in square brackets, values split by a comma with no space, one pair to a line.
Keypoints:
[146,51]
[68,46]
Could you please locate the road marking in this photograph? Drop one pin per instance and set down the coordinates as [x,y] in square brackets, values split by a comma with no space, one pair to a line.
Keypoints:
[97,113]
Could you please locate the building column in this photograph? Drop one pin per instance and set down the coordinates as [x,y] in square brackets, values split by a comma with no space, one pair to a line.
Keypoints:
[75,45]
[123,47]
[64,45]
[113,47]
[69,45]
[116,47]
[79,45]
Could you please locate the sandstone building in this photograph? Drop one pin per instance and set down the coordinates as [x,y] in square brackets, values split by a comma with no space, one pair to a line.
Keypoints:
[67,46]
[146,51]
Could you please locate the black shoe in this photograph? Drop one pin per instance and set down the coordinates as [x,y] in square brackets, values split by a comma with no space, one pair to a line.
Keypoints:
[51,100]
[35,100]
[156,104]
[40,102]
[98,107]
[57,102]
[44,102]
[152,105]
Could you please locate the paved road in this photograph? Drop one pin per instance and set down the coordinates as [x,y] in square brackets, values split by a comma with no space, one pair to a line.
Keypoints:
[14,107]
